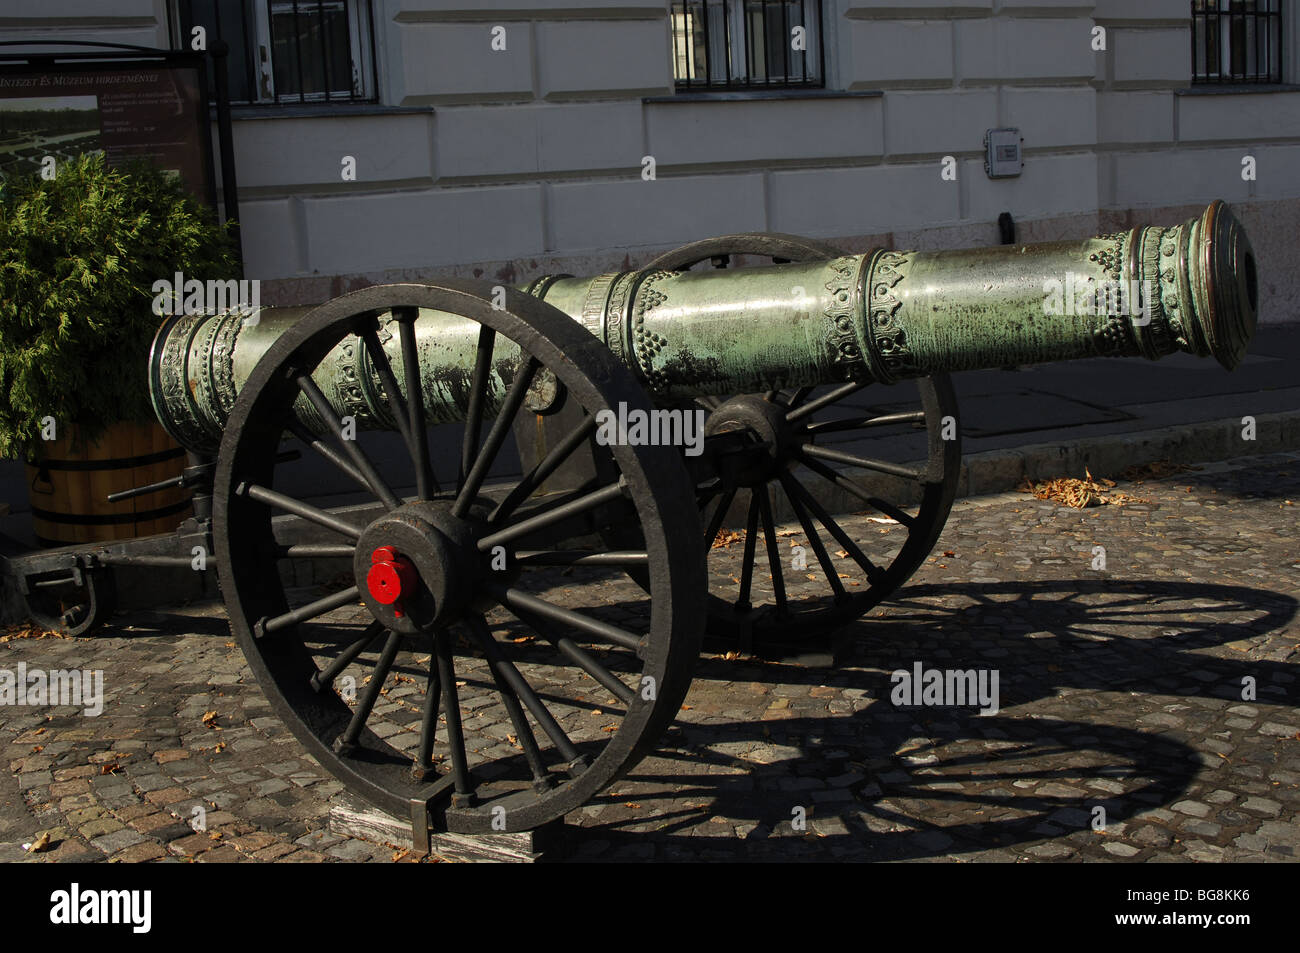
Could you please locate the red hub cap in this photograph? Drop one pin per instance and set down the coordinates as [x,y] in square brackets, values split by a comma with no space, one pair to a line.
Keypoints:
[390,578]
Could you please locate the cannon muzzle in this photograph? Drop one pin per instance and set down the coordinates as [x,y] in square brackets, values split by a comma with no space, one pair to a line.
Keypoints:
[883,316]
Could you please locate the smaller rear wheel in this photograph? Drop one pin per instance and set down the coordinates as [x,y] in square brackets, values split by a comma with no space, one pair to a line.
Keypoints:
[795,460]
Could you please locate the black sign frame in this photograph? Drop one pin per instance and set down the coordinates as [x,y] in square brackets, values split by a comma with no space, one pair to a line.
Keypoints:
[118,56]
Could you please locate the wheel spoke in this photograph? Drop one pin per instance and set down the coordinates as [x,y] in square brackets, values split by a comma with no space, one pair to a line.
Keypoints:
[514,399]
[551,516]
[425,484]
[543,469]
[707,491]
[861,423]
[798,397]
[814,539]
[579,557]
[579,656]
[838,394]
[516,600]
[325,677]
[315,551]
[377,484]
[396,405]
[874,573]
[839,456]
[451,707]
[477,399]
[840,480]
[773,556]
[747,564]
[329,453]
[311,610]
[720,514]
[308,512]
[429,718]
[514,688]
[367,701]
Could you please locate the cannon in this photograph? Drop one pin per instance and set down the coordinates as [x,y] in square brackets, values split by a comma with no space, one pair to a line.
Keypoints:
[643,407]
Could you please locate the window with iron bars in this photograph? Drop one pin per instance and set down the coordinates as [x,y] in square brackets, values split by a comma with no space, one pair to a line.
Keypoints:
[289,51]
[747,44]
[1236,41]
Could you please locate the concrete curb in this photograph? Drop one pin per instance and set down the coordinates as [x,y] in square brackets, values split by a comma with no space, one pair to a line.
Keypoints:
[1106,455]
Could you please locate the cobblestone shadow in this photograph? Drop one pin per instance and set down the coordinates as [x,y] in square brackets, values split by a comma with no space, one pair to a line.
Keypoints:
[1087,747]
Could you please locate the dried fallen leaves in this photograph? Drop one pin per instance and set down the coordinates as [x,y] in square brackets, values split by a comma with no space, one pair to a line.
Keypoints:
[210,720]
[29,631]
[726,537]
[1070,491]
[40,845]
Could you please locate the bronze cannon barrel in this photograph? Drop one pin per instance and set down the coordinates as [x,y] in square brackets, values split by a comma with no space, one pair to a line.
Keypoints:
[881,316]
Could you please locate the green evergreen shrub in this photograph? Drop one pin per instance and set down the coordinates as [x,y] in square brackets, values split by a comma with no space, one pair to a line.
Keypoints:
[78,257]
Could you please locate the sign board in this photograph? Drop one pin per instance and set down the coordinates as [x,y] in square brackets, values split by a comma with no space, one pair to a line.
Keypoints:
[151,109]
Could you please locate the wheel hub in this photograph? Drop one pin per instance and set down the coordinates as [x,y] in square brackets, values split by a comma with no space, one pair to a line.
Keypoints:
[770,445]
[391,576]
[418,566]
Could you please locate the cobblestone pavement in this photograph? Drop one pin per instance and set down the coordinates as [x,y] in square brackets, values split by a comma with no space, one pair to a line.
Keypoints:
[1125,697]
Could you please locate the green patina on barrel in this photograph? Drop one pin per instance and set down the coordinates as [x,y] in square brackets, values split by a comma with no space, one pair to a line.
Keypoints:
[884,316]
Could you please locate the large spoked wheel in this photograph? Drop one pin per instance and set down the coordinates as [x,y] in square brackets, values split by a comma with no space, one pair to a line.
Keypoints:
[796,427]
[447,671]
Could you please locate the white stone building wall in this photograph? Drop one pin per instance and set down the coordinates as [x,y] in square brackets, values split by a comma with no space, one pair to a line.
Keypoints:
[514,163]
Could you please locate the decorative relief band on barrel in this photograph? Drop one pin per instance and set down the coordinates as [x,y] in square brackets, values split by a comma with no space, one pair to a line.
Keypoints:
[616,319]
[595,302]
[539,286]
[1113,334]
[205,392]
[174,402]
[1111,258]
[223,362]
[646,344]
[1152,332]
[888,354]
[347,359]
[843,343]
[1171,299]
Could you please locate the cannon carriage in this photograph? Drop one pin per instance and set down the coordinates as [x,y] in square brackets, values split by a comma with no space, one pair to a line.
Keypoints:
[642,412]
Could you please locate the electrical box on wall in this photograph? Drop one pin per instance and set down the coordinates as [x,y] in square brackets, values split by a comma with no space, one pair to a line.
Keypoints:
[1002,153]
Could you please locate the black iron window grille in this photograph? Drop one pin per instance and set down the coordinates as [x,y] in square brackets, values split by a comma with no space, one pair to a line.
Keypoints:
[289,51]
[747,44]
[1236,41]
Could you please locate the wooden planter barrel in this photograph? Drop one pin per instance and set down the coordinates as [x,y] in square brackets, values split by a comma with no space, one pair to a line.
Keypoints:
[68,486]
